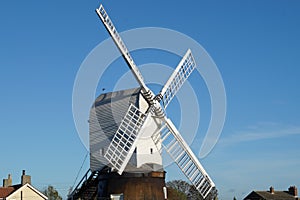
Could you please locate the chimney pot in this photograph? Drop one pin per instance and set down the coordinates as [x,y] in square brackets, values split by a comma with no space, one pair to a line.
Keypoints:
[293,191]
[25,178]
[7,182]
[271,190]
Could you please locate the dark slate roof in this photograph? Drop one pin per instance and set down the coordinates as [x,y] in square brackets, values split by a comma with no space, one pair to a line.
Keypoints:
[277,195]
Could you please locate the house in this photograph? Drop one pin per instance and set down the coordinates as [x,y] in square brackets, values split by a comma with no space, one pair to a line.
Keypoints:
[291,194]
[23,191]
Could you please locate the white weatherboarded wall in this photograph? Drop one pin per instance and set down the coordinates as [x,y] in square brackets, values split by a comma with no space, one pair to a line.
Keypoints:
[105,117]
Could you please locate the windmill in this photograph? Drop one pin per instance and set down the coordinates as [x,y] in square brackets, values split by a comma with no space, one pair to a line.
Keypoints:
[129,129]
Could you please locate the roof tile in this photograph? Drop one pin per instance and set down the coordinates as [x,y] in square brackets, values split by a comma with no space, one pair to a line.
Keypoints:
[5,191]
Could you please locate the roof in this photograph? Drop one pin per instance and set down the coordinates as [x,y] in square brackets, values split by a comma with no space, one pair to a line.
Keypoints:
[17,187]
[6,191]
[277,195]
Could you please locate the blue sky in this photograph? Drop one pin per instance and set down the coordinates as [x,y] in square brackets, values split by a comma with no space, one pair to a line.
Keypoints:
[255,45]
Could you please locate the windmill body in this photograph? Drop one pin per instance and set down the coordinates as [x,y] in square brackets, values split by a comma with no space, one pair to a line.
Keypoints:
[106,116]
[129,130]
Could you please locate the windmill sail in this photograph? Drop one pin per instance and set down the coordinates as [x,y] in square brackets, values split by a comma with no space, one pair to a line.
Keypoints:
[183,156]
[179,76]
[124,141]
[120,44]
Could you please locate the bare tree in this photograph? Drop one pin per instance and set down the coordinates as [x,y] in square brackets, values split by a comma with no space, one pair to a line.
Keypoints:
[52,193]
[187,191]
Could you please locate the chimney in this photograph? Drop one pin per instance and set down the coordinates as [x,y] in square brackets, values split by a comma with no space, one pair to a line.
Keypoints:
[7,182]
[293,191]
[25,178]
[271,190]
